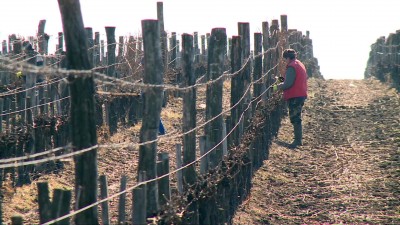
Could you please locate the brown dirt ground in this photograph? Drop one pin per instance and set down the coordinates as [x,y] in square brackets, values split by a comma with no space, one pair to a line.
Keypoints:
[347,172]
[112,162]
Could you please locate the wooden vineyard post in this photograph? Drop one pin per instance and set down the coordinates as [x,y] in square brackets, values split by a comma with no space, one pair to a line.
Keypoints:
[174,51]
[189,109]
[244,33]
[163,34]
[44,202]
[139,203]
[89,33]
[41,37]
[109,115]
[60,42]
[102,56]
[111,45]
[120,48]
[189,122]
[257,70]
[213,131]
[103,195]
[164,192]
[203,48]
[274,30]
[122,201]
[196,47]
[82,114]
[97,49]
[17,220]
[4,47]
[153,98]
[266,56]
[179,176]
[61,205]
[203,151]
[237,91]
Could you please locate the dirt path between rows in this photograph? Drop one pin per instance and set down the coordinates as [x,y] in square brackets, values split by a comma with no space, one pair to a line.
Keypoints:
[348,171]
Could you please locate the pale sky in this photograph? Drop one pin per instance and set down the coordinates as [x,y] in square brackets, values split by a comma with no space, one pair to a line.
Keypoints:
[342,30]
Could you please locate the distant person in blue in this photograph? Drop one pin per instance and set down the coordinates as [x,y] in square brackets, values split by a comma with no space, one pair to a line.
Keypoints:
[161,128]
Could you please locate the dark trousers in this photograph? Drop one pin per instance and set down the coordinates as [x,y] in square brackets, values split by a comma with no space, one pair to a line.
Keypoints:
[295,107]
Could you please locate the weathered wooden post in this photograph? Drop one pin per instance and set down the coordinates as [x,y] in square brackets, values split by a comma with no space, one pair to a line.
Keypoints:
[266,55]
[274,29]
[83,122]
[244,33]
[213,131]
[41,37]
[203,48]
[111,45]
[4,47]
[61,205]
[179,173]
[164,192]
[229,47]
[17,46]
[103,195]
[153,98]
[17,220]
[130,53]
[11,39]
[122,201]
[120,48]
[203,151]
[189,109]
[257,71]
[163,34]
[285,42]
[102,54]
[109,116]
[89,34]
[139,204]
[60,42]
[237,91]
[44,202]
[196,47]
[97,49]
[173,51]
[189,122]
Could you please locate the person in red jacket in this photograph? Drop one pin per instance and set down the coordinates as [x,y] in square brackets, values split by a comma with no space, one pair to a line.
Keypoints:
[294,90]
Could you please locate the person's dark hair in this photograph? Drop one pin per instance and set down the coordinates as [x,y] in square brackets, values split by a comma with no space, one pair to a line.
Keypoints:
[289,53]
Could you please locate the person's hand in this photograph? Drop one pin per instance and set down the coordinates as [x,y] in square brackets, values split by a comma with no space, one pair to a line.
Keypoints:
[18,74]
[279,79]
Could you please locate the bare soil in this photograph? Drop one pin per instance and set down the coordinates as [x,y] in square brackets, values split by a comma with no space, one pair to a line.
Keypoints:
[347,172]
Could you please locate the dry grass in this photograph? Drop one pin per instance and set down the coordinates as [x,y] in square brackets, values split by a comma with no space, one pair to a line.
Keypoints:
[348,170]
[112,162]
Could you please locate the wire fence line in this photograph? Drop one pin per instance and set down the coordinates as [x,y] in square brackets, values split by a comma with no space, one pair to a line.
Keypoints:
[52,71]
[116,83]
[75,212]
[122,145]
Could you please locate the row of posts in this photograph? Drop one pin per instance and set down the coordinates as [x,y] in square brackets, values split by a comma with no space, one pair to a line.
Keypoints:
[151,165]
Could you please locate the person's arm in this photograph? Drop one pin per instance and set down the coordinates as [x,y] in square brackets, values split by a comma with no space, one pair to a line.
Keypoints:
[289,79]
